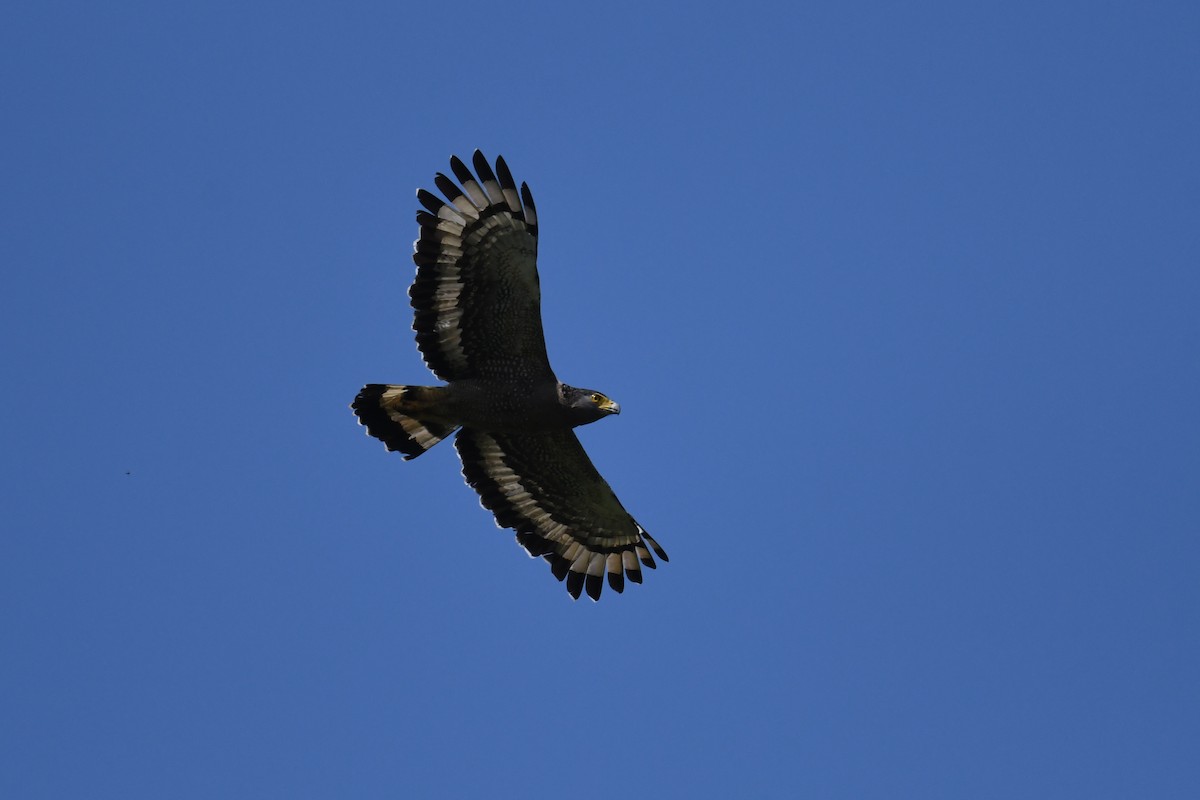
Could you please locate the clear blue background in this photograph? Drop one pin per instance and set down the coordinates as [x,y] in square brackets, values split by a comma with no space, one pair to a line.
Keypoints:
[901,304]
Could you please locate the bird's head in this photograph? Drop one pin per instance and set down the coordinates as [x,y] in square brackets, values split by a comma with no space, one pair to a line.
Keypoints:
[587,405]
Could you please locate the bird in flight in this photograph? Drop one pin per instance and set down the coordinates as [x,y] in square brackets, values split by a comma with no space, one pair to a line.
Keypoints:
[478,319]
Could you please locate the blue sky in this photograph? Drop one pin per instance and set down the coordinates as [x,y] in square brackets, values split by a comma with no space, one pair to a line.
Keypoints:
[900,304]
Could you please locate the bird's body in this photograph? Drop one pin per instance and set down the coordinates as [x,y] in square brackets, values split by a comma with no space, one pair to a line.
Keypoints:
[495,406]
[477,304]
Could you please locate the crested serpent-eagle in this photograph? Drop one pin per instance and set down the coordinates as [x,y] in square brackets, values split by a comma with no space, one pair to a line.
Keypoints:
[478,320]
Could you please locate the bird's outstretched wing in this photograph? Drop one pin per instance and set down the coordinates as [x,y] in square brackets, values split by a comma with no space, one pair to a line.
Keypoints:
[543,486]
[476,294]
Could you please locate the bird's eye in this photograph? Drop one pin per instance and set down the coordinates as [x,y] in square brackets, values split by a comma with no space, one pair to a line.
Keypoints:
[596,398]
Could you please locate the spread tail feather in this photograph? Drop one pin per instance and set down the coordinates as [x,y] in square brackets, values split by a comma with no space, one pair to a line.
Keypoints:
[405,418]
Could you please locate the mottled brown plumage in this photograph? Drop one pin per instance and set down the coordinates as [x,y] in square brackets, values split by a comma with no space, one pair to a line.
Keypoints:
[478,324]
